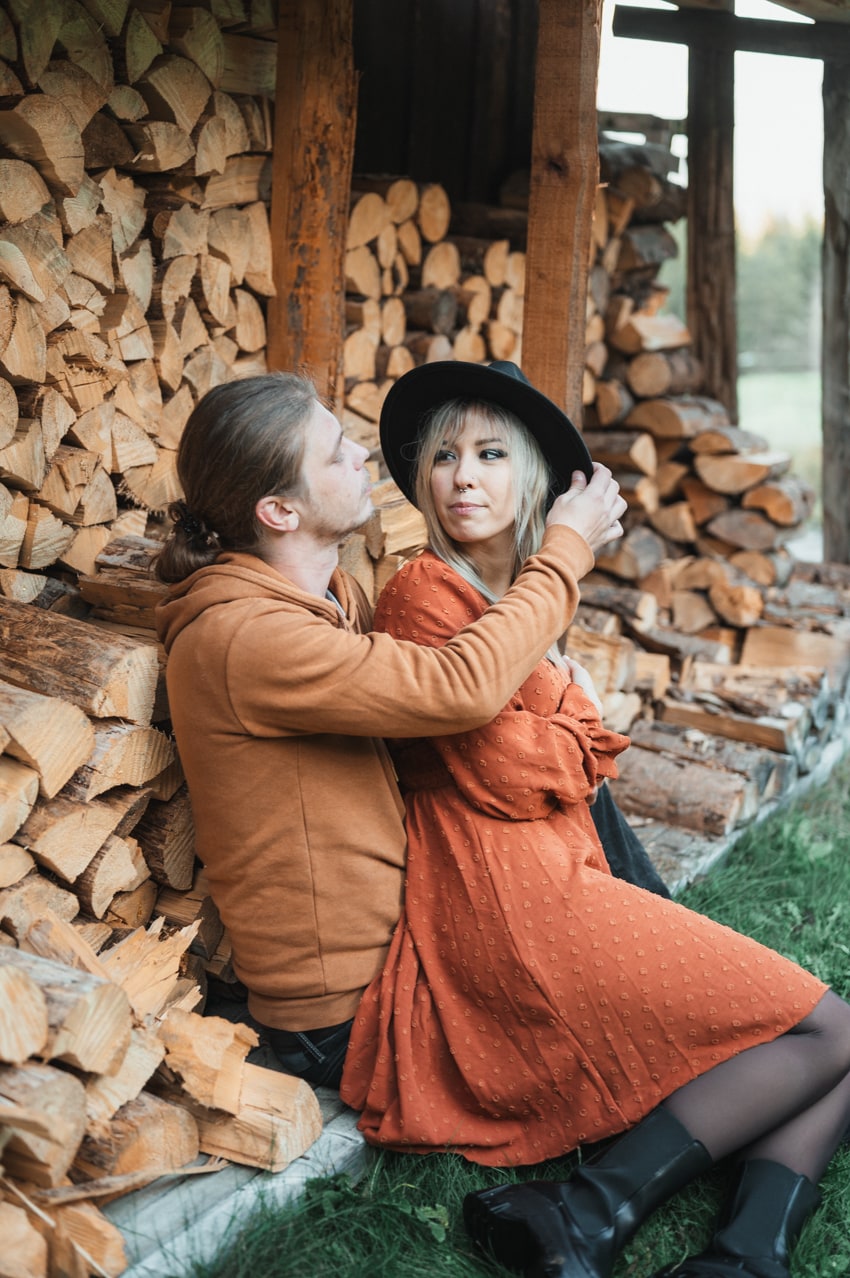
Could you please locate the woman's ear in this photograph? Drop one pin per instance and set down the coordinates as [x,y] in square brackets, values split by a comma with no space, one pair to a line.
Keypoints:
[277,514]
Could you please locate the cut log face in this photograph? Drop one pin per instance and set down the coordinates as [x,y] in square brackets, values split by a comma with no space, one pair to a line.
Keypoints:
[146,1134]
[24,1025]
[89,1018]
[278,1120]
[50,735]
[55,1098]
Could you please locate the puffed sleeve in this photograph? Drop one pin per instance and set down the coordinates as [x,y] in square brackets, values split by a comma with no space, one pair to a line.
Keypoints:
[521,765]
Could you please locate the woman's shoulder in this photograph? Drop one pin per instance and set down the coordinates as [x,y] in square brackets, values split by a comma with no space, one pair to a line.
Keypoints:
[427,597]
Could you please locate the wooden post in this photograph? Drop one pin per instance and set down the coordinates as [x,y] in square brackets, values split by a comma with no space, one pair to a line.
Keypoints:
[835,353]
[710,307]
[315,113]
[564,178]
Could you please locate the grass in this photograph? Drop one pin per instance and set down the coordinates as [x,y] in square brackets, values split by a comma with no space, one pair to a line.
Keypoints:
[786,882]
[785,409]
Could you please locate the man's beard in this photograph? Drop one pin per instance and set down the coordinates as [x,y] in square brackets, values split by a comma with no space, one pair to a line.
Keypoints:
[332,532]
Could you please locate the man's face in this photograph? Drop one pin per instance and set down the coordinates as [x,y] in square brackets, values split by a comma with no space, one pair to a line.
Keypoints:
[337,486]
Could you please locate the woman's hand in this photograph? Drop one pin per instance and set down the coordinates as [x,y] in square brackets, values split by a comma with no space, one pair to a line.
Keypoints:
[577,673]
[593,509]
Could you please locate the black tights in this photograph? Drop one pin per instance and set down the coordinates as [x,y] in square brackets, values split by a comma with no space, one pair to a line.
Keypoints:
[787,1100]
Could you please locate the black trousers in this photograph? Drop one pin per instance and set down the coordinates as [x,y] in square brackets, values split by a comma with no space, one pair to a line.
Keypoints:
[626,855]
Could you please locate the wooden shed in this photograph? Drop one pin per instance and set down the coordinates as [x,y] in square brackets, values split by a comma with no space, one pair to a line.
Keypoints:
[437,188]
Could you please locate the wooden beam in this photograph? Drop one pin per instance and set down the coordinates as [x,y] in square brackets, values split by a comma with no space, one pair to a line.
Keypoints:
[710,302]
[315,114]
[564,178]
[708,31]
[835,356]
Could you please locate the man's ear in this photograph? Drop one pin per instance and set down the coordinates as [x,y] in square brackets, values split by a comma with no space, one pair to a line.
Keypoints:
[277,514]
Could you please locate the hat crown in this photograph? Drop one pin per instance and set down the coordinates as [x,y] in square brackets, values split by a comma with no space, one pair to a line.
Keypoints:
[509,369]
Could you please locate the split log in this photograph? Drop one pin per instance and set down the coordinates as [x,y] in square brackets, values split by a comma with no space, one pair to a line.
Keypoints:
[686,795]
[57,1099]
[106,1093]
[64,834]
[637,607]
[193,908]
[770,772]
[632,557]
[117,870]
[51,736]
[89,1018]
[146,965]
[41,131]
[746,530]
[653,374]
[723,438]
[167,838]
[60,657]
[26,1249]
[24,1026]
[787,501]
[146,1134]
[433,213]
[623,450]
[682,417]
[649,333]
[124,754]
[782,646]
[787,735]
[18,793]
[734,473]
[278,1120]
[204,1059]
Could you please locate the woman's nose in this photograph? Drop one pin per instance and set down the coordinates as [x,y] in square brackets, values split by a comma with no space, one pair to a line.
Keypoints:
[464,475]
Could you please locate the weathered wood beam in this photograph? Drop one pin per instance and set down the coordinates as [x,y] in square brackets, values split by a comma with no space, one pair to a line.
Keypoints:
[707,31]
[835,349]
[315,114]
[564,178]
[711,275]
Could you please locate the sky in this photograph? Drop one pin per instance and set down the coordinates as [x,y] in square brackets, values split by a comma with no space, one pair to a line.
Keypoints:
[778,114]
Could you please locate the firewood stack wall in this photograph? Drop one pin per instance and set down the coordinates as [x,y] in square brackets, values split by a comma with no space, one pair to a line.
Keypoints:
[134,270]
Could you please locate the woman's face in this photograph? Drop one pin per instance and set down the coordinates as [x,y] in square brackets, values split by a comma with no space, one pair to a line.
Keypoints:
[472,486]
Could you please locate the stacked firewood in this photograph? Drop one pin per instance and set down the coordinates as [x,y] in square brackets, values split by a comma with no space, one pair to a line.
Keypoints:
[691,623]
[109,1075]
[134,259]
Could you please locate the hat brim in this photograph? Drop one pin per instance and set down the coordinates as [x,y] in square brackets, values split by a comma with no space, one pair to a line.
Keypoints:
[417,393]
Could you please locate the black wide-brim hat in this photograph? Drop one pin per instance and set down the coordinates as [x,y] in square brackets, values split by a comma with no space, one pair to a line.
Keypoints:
[415,395]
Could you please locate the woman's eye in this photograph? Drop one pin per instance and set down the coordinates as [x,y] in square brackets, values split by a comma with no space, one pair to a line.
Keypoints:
[443,454]
[494,454]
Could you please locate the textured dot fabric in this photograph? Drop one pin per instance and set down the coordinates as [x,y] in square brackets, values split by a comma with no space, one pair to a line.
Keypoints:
[530,1002]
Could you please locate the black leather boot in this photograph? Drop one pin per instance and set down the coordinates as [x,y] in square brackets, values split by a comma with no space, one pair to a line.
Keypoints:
[575,1229]
[758,1227]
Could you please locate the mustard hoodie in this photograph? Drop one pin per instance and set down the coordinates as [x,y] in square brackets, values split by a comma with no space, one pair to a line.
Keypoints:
[279,702]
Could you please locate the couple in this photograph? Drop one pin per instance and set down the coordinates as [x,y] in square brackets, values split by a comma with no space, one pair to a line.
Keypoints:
[519,1000]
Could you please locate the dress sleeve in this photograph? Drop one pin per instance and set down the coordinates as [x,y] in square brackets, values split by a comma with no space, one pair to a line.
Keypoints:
[521,765]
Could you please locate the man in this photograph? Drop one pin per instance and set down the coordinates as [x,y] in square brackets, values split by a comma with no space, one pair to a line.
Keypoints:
[280,695]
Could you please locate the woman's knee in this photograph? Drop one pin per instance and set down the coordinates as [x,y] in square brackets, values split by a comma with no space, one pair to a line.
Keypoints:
[829,1023]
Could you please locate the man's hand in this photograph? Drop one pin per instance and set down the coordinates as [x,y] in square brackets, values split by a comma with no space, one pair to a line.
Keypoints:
[593,509]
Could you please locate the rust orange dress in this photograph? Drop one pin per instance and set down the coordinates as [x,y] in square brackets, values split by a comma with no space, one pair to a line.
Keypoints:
[530,1001]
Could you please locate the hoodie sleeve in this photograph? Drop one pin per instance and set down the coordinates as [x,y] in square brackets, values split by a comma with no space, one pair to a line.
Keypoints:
[289,671]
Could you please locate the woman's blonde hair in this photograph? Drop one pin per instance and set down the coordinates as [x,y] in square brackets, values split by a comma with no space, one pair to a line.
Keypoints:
[531,480]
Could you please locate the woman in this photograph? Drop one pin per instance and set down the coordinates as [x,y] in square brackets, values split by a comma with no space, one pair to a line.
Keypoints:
[531,1002]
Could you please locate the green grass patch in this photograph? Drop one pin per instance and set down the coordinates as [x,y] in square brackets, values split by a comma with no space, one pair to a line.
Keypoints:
[787,883]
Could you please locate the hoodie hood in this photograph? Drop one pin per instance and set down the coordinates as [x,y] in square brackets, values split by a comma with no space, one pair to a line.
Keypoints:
[235,577]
